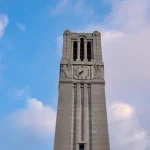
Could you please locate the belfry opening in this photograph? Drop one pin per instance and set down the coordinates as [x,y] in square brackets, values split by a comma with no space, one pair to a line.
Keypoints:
[82,50]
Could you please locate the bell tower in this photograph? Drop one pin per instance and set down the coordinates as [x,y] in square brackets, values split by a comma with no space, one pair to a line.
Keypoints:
[81,122]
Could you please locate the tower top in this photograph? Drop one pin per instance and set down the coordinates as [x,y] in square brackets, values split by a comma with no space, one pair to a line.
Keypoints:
[68,32]
[82,46]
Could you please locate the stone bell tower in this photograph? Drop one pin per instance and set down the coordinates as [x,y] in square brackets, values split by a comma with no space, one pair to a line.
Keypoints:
[81,122]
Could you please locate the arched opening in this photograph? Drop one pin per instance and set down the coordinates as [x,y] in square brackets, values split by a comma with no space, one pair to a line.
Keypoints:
[89,51]
[75,51]
[82,49]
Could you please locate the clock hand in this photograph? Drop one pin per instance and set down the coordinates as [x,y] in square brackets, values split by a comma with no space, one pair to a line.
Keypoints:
[80,72]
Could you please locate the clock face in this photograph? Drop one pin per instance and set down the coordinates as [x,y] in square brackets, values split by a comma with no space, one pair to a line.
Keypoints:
[81,72]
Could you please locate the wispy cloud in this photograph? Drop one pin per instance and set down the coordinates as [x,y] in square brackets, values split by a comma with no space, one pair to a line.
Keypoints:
[75,8]
[22,93]
[21,27]
[60,6]
[3,23]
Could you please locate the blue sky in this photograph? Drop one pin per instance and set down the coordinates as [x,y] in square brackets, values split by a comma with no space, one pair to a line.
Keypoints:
[30,54]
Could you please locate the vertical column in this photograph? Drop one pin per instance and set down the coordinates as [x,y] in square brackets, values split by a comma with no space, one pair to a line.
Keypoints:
[94,47]
[74,117]
[85,50]
[92,51]
[97,45]
[82,112]
[78,117]
[71,50]
[67,45]
[86,117]
[90,117]
[99,51]
[64,51]
[78,55]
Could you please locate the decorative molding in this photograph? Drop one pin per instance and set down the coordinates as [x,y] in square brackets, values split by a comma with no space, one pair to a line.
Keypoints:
[82,73]
[98,72]
[82,82]
[82,36]
[66,71]
[86,63]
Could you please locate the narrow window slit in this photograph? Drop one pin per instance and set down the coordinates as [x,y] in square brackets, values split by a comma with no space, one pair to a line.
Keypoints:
[75,51]
[89,51]
[82,49]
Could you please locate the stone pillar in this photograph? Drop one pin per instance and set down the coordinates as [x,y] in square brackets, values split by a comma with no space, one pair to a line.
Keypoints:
[71,50]
[85,50]
[78,117]
[69,46]
[94,47]
[78,57]
[66,45]
[64,51]
[97,46]
[86,118]
[82,113]
[92,51]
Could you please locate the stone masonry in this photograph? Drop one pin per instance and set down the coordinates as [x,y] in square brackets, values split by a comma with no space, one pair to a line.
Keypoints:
[81,114]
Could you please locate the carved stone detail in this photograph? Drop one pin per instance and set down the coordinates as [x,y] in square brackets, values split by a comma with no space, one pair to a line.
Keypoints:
[98,72]
[67,32]
[96,33]
[81,72]
[66,71]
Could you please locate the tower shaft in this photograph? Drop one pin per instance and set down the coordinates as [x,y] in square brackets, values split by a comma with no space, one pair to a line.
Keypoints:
[81,122]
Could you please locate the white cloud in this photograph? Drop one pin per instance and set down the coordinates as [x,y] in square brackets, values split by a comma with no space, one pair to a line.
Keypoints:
[21,27]
[3,23]
[129,15]
[121,111]
[125,130]
[109,36]
[37,118]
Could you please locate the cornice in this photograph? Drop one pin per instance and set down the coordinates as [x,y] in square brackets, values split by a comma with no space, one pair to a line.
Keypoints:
[71,62]
[83,81]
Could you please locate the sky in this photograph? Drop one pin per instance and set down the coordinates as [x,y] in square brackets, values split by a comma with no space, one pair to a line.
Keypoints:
[30,53]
